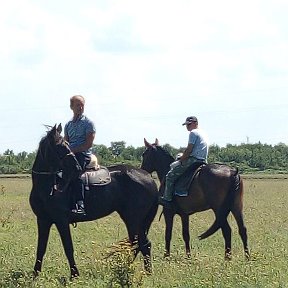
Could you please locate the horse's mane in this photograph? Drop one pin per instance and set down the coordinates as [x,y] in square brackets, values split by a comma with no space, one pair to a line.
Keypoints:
[44,144]
[165,152]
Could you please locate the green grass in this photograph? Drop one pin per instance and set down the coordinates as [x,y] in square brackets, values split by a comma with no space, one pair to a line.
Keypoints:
[266,217]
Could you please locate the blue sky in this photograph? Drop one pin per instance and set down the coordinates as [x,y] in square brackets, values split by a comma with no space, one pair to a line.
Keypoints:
[143,67]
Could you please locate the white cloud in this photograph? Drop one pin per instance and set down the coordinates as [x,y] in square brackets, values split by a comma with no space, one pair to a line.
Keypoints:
[144,66]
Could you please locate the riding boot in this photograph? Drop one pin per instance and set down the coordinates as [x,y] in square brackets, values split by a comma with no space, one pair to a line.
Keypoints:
[79,208]
[166,199]
[168,192]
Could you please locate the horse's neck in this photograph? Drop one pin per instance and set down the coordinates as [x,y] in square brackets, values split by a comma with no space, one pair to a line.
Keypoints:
[163,170]
[40,166]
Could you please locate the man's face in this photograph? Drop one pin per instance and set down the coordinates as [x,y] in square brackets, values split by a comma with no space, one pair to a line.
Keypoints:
[191,126]
[77,106]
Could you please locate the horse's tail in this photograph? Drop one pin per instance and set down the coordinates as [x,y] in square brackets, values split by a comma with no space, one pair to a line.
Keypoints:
[223,212]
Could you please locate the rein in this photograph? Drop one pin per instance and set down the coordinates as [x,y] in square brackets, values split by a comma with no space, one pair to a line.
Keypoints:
[48,172]
[44,173]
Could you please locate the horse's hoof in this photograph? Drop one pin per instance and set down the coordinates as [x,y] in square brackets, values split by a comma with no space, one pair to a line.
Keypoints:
[74,273]
[247,256]
[148,271]
[35,274]
[166,254]
[228,257]
[74,276]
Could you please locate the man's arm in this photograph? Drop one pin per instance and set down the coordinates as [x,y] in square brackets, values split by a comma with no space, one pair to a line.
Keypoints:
[187,152]
[85,146]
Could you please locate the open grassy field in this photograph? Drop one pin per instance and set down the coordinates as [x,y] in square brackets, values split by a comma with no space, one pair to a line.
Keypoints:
[266,216]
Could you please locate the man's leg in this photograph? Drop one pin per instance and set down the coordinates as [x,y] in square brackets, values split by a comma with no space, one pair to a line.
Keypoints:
[78,187]
[172,176]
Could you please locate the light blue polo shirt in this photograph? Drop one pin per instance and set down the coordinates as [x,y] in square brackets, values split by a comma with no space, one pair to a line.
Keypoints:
[76,131]
[200,144]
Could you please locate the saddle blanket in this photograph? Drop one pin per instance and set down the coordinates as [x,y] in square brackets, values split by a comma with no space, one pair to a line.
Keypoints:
[183,184]
[99,177]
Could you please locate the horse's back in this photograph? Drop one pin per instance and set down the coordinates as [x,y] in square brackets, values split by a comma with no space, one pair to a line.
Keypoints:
[134,176]
[209,188]
[218,170]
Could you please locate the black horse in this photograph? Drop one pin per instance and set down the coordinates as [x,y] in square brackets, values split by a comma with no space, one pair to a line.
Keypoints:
[132,193]
[215,186]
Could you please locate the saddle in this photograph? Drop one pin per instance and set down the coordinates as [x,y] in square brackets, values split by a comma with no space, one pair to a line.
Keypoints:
[183,184]
[98,177]
[95,174]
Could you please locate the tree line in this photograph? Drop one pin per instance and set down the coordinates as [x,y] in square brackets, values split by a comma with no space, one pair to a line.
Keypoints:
[248,158]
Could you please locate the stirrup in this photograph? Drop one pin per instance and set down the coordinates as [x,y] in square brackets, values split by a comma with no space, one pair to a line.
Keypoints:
[165,203]
[79,210]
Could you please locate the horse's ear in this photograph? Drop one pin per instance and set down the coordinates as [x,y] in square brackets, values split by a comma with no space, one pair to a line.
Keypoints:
[156,142]
[147,144]
[59,128]
[53,130]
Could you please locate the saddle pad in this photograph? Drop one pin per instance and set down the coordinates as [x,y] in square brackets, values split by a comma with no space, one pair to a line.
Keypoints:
[100,177]
[185,181]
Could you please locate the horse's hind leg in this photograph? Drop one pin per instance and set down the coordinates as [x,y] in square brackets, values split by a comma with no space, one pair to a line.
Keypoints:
[185,233]
[139,236]
[43,235]
[169,217]
[242,231]
[65,234]
[226,232]
[145,248]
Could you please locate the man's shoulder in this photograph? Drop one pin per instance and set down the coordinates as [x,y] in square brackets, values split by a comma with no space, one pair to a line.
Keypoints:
[198,131]
[68,123]
[88,123]
[86,119]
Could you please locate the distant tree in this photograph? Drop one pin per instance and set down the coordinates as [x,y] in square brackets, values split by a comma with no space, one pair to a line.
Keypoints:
[117,147]
[103,154]
[247,157]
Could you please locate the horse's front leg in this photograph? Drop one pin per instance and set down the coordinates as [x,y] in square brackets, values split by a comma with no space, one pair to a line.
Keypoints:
[65,234]
[185,233]
[43,235]
[168,216]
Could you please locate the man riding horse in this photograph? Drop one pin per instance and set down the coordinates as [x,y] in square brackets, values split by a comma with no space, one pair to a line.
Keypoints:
[194,155]
[80,133]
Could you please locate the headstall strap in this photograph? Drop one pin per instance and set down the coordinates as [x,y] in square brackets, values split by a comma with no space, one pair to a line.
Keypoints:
[44,172]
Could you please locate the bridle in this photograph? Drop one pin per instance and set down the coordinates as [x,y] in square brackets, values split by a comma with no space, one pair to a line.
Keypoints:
[54,172]
[70,153]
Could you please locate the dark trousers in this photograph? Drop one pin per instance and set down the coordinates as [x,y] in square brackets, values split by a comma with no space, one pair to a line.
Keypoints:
[77,184]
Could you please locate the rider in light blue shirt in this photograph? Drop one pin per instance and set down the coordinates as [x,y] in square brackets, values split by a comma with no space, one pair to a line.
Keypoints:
[199,141]
[76,131]
[80,134]
[196,151]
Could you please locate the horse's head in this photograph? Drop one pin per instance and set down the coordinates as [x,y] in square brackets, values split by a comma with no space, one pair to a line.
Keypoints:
[54,155]
[156,158]
[149,156]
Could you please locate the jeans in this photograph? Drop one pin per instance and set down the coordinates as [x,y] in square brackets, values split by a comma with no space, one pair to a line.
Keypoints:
[77,184]
[173,175]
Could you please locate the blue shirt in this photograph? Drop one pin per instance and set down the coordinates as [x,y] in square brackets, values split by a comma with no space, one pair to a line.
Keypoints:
[200,144]
[75,131]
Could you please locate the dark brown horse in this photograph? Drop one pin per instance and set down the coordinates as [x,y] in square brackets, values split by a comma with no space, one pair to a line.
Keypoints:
[132,194]
[216,186]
